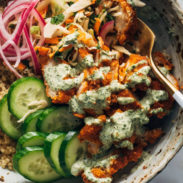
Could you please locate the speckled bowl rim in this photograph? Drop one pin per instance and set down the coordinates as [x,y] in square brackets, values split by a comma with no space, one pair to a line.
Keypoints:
[155,165]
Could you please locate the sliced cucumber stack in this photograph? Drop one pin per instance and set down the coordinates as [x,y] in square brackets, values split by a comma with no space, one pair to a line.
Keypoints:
[57,118]
[32,164]
[30,122]
[8,122]
[25,95]
[31,139]
[51,150]
[71,150]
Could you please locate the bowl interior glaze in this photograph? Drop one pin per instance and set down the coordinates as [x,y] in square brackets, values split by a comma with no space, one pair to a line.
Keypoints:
[168,29]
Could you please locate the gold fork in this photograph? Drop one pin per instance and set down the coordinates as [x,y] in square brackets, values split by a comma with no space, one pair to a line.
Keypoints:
[146,46]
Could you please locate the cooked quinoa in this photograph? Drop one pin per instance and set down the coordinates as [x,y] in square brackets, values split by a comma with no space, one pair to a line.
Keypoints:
[7,150]
[7,145]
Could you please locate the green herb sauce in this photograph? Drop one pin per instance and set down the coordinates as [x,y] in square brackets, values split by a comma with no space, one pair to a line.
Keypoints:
[164,71]
[140,77]
[125,100]
[87,62]
[122,126]
[107,55]
[153,96]
[71,39]
[95,99]
[54,76]
[85,165]
[156,111]
[126,144]
[136,65]
[99,74]
[92,121]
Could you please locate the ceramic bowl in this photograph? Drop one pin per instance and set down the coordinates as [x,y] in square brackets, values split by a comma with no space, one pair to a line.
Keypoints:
[165,17]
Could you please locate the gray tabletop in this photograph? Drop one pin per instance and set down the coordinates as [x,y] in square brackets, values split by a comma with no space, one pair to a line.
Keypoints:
[173,173]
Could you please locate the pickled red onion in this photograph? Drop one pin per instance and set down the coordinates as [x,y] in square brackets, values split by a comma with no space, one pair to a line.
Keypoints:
[33,53]
[8,64]
[10,48]
[106,28]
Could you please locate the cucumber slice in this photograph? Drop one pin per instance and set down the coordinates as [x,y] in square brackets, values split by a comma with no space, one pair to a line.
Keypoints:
[51,150]
[71,150]
[8,122]
[32,164]
[25,95]
[31,139]
[30,122]
[57,118]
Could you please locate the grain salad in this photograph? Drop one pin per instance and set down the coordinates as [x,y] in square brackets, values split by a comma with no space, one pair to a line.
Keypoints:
[8,145]
[81,98]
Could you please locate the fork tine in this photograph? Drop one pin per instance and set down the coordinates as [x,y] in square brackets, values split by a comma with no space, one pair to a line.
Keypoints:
[147,39]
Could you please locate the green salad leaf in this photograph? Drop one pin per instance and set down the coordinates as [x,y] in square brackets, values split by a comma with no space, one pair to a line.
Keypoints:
[57,19]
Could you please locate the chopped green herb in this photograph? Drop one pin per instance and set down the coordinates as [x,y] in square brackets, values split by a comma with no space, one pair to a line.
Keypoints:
[35,30]
[12,26]
[37,52]
[75,14]
[70,3]
[98,46]
[92,21]
[26,62]
[57,19]
[58,55]
[131,2]
[63,55]
[69,53]
[109,17]
[98,2]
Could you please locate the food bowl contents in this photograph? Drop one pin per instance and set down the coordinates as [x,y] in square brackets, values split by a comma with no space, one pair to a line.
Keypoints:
[8,146]
[7,150]
[89,114]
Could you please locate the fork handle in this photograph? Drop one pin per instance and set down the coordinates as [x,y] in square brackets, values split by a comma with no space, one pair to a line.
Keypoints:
[178,96]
